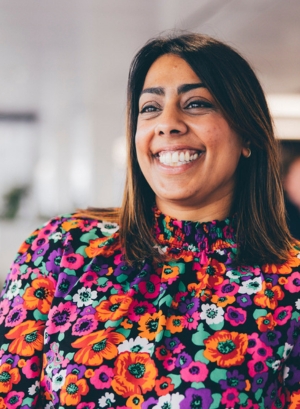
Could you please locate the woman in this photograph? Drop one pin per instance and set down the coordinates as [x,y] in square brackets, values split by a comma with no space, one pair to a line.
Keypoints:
[194,302]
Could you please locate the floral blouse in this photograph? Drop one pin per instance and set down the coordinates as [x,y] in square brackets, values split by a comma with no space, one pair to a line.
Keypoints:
[80,328]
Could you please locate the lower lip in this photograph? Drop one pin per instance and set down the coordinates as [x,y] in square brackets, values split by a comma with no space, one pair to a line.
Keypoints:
[180,168]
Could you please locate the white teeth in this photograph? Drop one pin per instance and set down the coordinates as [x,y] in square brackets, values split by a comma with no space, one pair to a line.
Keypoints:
[177,158]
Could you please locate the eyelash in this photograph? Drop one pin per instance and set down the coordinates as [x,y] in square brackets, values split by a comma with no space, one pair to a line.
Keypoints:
[198,103]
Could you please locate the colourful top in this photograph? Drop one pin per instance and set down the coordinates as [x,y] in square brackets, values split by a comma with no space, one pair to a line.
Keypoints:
[81,329]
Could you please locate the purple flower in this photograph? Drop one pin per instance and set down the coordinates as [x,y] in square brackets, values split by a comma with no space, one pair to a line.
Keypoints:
[183,360]
[65,283]
[172,343]
[271,337]
[54,259]
[149,402]
[187,228]
[40,252]
[294,375]
[97,266]
[196,398]
[189,305]
[271,395]
[17,301]
[259,381]
[89,310]
[10,359]
[244,300]
[234,380]
[76,370]
[123,268]
[21,258]
[294,337]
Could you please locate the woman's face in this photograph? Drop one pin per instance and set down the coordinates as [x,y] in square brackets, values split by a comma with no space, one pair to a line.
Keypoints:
[185,148]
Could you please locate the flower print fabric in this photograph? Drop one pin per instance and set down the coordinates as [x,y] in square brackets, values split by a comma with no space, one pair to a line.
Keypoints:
[80,328]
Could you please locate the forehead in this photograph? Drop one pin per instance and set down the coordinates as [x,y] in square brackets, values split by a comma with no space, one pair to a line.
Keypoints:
[169,70]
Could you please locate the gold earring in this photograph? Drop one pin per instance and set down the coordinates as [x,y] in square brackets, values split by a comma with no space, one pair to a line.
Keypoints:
[249,153]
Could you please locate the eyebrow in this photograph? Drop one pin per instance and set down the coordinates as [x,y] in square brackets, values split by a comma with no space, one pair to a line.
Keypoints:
[181,89]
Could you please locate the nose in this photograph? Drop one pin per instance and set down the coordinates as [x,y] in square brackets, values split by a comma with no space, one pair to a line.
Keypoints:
[170,122]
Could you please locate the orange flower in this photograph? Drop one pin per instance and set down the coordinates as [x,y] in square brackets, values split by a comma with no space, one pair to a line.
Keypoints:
[226,348]
[169,273]
[27,337]
[97,346]
[89,373]
[174,324]
[295,400]
[114,308]
[8,377]
[212,273]
[21,363]
[285,268]
[223,300]
[105,246]
[2,404]
[196,289]
[135,401]
[127,324]
[39,295]
[151,325]
[266,323]
[134,373]
[72,390]
[72,224]
[220,244]
[268,296]
[163,386]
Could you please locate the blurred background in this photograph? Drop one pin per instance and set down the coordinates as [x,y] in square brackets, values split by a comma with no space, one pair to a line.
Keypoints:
[63,73]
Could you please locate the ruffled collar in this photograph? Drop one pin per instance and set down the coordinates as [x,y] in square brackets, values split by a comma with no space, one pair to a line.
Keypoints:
[181,236]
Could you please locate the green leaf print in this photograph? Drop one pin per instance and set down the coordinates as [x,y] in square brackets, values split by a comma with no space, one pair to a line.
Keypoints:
[218,374]
[216,403]
[89,236]
[200,336]
[259,313]
[197,385]
[81,250]
[199,357]
[176,380]
[113,324]
[258,394]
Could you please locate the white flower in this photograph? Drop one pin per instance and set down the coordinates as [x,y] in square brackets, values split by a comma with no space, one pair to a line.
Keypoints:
[108,228]
[212,314]
[56,236]
[287,350]
[84,297]
[233,274]
[169,401]
[59,379]
[276,365]
[14,289]
[297,303]
[49,406]
[34,388]
[251,286]
[160,249]
[286,372]
[136,345]
[106,400]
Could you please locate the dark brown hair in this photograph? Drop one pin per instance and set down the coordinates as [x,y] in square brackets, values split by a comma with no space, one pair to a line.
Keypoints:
[262,233]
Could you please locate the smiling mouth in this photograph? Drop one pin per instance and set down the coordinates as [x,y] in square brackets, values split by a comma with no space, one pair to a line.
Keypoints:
[178,158]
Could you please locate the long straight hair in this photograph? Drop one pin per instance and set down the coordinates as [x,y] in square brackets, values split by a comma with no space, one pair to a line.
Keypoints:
[262,233]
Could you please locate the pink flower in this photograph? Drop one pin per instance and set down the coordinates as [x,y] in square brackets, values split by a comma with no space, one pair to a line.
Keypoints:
[102,377]
[151,287]
[293,283]
[262,352]
[139,308]
[89,278]
[14,399]
[283,314]
[32,367]
[191,321]
[230,397]
[16,316]
[60,317]
[72,261]
[236,316]
[169,363]
[4,308]
[226,288]
[104,287]
[195,372]
[29,271]
[86,405]
[256,367]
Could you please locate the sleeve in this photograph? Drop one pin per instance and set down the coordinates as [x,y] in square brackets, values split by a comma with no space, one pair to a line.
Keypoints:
[24,304]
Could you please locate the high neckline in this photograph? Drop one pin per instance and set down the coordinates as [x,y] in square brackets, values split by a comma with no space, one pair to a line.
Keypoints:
[177,236]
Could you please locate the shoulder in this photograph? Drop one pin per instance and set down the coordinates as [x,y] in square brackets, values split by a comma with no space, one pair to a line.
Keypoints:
[291,265]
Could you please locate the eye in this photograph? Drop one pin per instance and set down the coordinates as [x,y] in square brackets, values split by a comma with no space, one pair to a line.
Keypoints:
[148,108]
[199,104]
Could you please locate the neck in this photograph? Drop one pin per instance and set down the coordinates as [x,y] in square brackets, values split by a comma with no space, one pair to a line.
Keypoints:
[218,210]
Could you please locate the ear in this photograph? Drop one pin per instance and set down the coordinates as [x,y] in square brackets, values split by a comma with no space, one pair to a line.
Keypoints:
[246,150]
